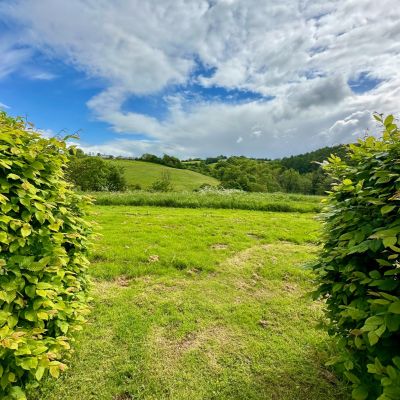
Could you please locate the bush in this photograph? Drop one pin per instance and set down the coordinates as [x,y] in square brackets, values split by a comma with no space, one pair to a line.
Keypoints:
[43,239]
[163,184]
[359,270]
[95,174]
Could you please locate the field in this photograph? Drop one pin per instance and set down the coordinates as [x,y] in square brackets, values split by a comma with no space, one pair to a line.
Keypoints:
[214,199]
[145,173]
[201,304]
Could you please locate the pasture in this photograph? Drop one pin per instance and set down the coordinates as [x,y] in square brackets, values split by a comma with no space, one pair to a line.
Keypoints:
[200,304]
[145,173]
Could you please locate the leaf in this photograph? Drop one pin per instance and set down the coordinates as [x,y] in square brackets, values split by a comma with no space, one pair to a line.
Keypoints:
[373,338]
[387,209]
[39,373]
[359,393]
[394,307]
[389,241]
[13,176]
[375,274]
[26,230]
[30,291]
[29,363]
[352,378]
[17,393]
[388,120]
[396,361]
[54,371]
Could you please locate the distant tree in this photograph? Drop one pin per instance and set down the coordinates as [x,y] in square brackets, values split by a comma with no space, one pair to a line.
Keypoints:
[150,158]
[95,174]
[309,162]
[292,181]
[171,161]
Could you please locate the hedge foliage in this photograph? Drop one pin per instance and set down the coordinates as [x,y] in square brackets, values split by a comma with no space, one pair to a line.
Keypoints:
[43,242]
[359,269]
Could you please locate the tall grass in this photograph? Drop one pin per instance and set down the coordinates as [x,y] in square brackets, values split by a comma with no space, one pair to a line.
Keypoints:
[214,199]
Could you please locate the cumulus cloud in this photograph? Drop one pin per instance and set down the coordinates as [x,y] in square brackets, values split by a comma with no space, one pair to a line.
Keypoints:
[297,55]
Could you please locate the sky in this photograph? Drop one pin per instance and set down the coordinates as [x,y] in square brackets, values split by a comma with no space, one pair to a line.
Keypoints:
[199,78]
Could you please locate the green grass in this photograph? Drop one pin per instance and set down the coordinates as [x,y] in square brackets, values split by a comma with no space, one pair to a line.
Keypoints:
[145,173]
[200,304]
[214,199]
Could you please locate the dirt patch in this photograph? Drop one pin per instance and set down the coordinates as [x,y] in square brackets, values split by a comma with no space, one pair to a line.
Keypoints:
[255,236]
[123,396]
[122,281]
[219,246]
[153,258]
[210,341]
[242,257]
[289,287]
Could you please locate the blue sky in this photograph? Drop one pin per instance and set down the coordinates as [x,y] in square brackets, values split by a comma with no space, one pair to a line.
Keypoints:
[200,78]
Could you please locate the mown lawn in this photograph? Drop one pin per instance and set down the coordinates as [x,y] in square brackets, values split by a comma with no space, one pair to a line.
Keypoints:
[200,304]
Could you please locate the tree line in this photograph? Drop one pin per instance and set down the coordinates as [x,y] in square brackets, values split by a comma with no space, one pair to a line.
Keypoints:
[295,174]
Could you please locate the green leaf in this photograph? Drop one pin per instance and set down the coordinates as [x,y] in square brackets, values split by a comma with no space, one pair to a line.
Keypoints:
[30,290]
[39,373]
[29,363]
[375,274]
[388,120]
[359,393]
[387,209]
[26,230]
[373,338]
[394,307]
[17,393]
[389,241]
[352,378]
[13,176]
[396,361]
[54,371]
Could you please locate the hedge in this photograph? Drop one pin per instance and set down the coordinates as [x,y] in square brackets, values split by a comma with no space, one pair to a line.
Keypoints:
[43,241]
[359,270]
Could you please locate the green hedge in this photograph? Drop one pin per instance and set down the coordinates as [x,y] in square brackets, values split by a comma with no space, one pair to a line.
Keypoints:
[43,241]
[359,270]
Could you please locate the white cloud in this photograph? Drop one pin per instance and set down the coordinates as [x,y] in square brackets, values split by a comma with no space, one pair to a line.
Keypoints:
[300,52]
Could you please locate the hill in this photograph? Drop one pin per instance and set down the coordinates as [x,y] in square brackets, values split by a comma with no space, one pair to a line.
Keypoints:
[145,173]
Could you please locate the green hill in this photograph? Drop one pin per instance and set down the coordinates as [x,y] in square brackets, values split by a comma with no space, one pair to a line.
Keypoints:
[145,173]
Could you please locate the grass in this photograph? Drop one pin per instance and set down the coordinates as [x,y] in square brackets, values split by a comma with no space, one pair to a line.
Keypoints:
[200,304]
[145,173]
[214,199]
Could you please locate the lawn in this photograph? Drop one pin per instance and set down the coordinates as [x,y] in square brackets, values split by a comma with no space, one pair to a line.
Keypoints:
[200,304]
[145,173]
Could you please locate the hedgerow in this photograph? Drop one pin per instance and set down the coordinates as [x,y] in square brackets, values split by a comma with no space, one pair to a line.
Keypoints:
[359,270]
[43,242]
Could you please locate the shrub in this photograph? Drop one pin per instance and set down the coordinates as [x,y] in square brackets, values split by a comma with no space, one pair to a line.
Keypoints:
[163,184]
[95,174]
[359,270]
[43,240]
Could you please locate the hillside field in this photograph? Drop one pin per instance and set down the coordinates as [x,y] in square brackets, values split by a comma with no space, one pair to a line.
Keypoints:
[201,304]
[145,173]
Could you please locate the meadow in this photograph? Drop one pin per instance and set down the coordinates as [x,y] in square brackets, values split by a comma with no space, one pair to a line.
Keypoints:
[229,199]
[200,304]
[145,174]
